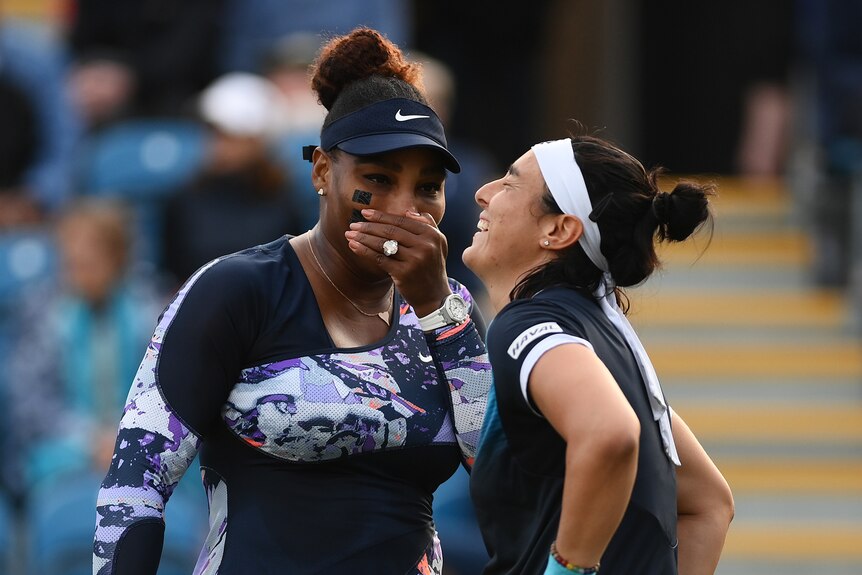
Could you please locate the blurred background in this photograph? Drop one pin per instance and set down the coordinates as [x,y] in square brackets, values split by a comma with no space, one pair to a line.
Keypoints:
[141,138]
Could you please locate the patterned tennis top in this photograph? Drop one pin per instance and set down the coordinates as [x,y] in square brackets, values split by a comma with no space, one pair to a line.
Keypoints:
[315,459]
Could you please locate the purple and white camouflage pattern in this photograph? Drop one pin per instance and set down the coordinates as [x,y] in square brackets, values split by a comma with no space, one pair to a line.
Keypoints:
[329,406]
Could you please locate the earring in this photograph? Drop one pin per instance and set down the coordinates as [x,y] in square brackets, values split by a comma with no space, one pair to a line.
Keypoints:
[546,243]
[320,192]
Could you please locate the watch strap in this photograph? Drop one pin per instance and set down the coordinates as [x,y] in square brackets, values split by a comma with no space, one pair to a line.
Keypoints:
[433,320]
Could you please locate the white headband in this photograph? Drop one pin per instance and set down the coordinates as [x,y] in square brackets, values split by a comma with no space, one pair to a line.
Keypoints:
[566,183]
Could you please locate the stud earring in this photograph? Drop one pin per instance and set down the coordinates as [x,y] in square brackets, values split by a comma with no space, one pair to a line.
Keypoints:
[320,192]
[546,243]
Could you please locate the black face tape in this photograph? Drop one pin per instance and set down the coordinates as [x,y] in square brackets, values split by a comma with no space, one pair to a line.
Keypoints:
[361,197]
[356,216]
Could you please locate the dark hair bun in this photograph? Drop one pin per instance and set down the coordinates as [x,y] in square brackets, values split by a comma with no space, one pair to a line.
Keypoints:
[360,54]
[683,210]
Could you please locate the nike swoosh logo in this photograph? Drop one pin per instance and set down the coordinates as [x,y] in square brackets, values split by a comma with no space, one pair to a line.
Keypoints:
[425,358]
[402,118]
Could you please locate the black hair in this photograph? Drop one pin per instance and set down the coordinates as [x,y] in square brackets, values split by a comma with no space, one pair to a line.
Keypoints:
[632,214]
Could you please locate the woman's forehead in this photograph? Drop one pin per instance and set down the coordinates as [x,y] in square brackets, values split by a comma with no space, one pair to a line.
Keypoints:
[526,170]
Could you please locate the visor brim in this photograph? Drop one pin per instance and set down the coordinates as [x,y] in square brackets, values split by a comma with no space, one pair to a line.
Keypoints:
[380,143]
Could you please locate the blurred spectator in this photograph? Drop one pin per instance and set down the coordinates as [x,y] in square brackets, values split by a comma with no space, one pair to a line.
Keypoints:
[242,198]
[142,57]
[251,27]
[102,88]
[286,64]
[763,139]
[77,347]
[32,64]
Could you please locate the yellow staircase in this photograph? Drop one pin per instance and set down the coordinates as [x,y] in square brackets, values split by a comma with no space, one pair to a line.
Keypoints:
[767,370]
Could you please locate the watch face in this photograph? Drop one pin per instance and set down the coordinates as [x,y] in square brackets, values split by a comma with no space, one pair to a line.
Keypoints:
[456,308]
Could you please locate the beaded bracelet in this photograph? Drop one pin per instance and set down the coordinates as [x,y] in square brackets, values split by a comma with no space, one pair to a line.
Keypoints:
[571,567]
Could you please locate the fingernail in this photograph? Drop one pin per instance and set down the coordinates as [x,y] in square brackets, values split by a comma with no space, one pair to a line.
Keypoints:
[354,226]
[367,212]
[412,213]
[350,235]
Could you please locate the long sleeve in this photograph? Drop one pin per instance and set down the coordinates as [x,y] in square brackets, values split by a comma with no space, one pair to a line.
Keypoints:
[460,354]
[152,453]
[189,368]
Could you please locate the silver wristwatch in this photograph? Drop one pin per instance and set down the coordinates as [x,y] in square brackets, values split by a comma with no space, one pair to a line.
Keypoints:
[454,311]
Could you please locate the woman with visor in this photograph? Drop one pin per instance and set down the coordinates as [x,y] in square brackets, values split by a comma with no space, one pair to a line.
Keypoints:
[582,465]
[329,381]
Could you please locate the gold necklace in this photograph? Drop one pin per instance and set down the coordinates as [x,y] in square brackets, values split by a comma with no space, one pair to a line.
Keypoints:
[384,315]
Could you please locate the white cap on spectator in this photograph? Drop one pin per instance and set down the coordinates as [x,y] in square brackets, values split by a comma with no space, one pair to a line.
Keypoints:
[241,104]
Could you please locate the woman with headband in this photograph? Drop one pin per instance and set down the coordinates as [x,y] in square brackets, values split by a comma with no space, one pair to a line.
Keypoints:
[329,381]
[582,464]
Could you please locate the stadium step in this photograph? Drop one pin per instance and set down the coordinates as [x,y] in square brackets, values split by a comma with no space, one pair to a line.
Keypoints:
[744,359]
[766,369]
[809,309]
